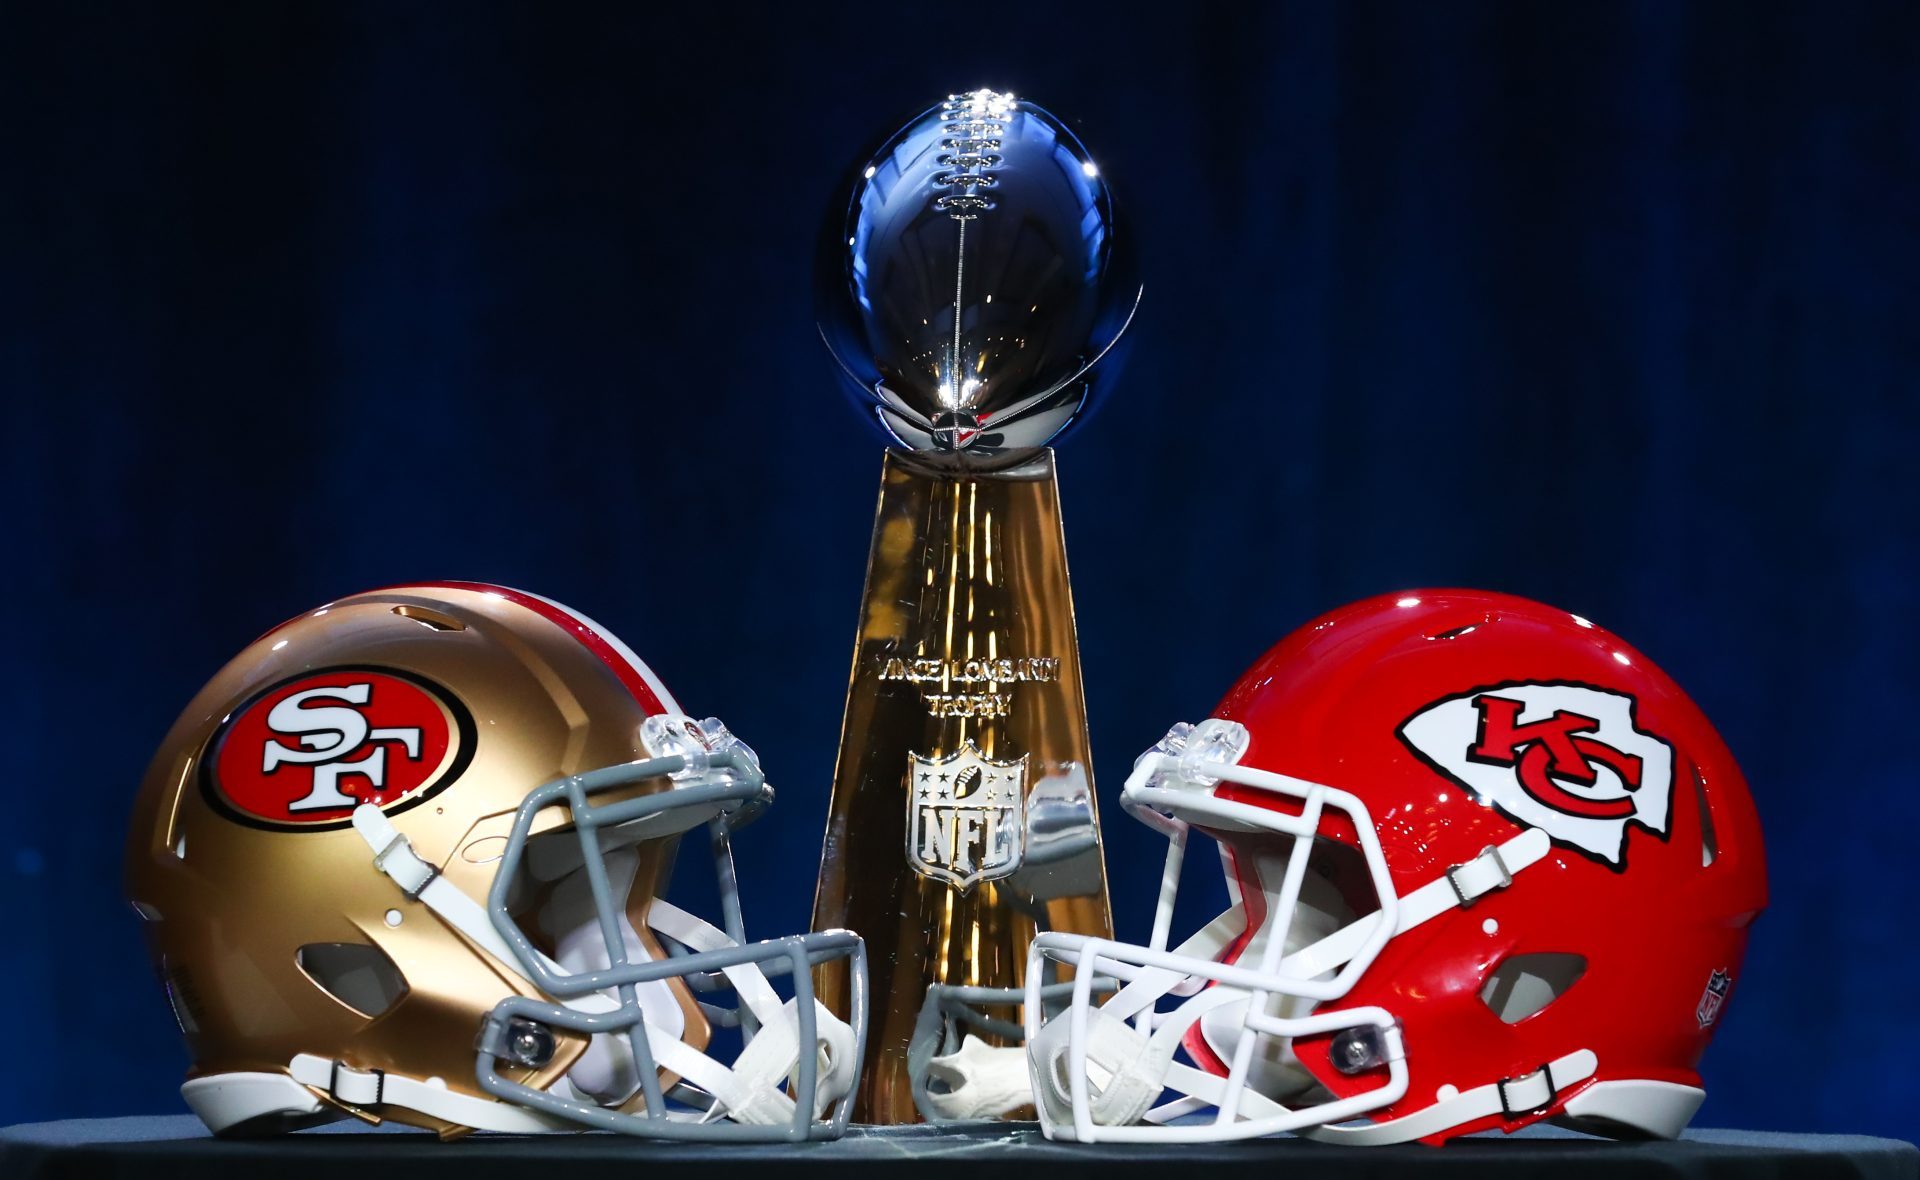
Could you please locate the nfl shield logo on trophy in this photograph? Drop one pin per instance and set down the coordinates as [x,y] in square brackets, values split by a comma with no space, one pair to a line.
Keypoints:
[966,816]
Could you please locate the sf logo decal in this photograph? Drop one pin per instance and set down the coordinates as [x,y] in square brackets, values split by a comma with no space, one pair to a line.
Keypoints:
[329,739]
[306,752]
[1568,758]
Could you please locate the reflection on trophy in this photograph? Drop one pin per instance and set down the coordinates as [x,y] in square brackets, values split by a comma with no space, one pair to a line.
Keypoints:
[974,282]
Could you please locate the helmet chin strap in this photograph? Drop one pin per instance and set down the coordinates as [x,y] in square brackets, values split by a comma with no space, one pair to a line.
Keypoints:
[984,1081]
[1273,1069]
[1510,1096]
[1127,1069]
[750,1091]
[372,1090]
[1127,1061]
[606,1074]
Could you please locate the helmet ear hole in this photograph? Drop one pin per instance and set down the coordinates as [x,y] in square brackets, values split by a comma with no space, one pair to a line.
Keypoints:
[356,974]
[1523,985]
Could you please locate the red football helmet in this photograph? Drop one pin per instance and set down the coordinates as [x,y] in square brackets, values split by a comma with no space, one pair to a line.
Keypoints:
[1488,865]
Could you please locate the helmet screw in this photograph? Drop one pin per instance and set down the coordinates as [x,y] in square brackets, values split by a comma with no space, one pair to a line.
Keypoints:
[529,1043]
[1355,1050]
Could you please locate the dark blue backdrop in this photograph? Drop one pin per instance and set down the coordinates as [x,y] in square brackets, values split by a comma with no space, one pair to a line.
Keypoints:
[1610,305]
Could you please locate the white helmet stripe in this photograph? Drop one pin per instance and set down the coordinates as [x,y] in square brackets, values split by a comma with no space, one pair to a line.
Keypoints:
[626,653]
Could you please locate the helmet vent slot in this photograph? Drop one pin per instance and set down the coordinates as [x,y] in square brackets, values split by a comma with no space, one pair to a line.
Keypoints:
[1524,985]
[1709,842]
[429,618]
[181,998]
[357,974]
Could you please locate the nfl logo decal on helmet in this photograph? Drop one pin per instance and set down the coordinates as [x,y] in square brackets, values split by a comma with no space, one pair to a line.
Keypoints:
[1718,985]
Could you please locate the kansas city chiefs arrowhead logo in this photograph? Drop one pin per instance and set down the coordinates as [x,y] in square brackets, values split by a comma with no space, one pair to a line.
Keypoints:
[1567,758]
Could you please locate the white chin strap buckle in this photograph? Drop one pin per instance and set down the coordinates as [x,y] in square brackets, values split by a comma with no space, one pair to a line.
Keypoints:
[1480,876]
[364,1088]
[1527,1094]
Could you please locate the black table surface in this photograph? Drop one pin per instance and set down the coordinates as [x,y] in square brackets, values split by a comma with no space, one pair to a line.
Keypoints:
[163,1146]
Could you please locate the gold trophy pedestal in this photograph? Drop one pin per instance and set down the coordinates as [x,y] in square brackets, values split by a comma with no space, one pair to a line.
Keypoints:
[963,820]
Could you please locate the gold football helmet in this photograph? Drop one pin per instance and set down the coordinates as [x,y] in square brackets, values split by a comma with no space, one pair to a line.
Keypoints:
[401,859]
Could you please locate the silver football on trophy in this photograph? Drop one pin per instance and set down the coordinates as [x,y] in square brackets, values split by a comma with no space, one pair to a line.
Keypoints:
[975,278]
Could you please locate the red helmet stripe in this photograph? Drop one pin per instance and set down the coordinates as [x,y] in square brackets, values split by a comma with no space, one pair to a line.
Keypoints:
[1253,900]
[619,659]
